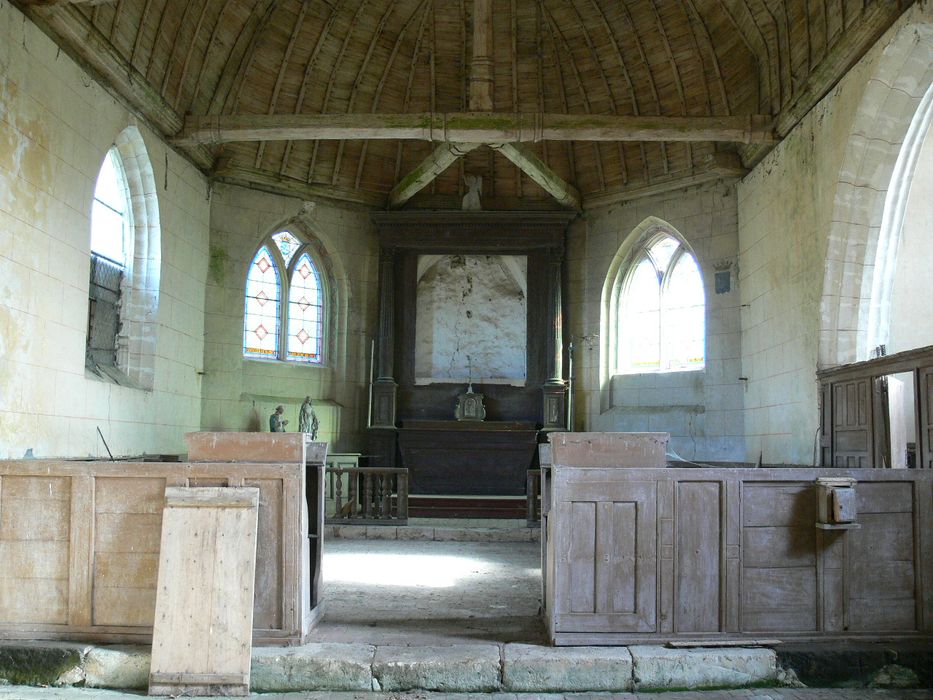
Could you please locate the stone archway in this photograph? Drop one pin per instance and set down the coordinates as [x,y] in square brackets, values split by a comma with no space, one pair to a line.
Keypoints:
[873,182]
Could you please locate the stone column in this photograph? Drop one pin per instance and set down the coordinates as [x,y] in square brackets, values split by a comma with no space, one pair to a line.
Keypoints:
[555,388]
[384,388]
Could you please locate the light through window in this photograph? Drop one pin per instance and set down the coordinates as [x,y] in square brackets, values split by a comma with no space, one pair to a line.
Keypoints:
[661,312]
[285,311]
[109,210]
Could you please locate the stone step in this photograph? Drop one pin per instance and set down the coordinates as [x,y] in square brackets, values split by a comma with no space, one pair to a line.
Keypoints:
[423,532]
[465,668]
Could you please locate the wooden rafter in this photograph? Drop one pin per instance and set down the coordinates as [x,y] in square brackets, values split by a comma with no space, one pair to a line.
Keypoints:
[566,194]
[473,127]
[427,171]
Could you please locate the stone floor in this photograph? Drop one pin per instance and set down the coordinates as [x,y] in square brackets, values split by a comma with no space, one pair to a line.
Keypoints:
[24,693]
[431,592]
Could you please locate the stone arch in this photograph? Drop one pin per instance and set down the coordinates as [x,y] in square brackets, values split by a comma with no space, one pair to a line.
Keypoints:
[138,334]
[872,187]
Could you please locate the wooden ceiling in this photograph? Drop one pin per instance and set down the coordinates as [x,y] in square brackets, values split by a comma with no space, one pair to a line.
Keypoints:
[757,65]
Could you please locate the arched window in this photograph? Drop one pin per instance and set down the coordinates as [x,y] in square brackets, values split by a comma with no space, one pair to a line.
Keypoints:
[285,302]
[660,310]
[125,266]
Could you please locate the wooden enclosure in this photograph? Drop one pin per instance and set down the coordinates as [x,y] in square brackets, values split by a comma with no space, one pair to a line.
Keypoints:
[854,428]
[649,555]
[79,546]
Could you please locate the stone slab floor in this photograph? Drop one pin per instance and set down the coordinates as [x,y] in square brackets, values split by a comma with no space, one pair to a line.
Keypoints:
[431,592]
[24,693]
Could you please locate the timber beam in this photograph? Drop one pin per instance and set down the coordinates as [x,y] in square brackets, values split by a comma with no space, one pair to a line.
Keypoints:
[440,159]
[527,160]
[472,127]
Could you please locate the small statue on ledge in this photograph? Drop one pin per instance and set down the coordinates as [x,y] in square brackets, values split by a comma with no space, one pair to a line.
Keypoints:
[276,422]
[307,419]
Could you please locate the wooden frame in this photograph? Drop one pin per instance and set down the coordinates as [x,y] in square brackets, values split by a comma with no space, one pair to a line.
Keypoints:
[851,426]
[80,543]
[734,554]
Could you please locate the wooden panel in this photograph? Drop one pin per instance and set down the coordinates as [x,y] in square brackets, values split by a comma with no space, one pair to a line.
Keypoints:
[125,607]
[780,546]
[127,532]
[582,529]
[778,504]
[35,515]
[616,533]
[852,440]
[267,611]
[779,599]
[204,608]
[882,537]
[607,558]
[129,495]
[884,498]
[925,418]
[698,557]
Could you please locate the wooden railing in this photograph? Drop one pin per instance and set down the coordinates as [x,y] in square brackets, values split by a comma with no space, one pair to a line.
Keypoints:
[367,496]
[533,494]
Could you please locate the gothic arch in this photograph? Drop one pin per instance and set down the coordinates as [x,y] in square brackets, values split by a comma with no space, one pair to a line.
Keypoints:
[871,191]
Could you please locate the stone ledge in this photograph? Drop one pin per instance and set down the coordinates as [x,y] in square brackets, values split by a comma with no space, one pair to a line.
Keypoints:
[312,667]
[529,668]
[462,668]
[660,668]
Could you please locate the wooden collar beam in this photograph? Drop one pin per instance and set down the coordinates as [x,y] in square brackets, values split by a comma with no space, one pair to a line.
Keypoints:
[472,127]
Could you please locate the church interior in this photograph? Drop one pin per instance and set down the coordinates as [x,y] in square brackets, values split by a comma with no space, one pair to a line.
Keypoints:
[442,237]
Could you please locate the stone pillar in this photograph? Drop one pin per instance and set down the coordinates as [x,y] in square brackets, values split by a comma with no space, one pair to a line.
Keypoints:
[554,414]
[384,388]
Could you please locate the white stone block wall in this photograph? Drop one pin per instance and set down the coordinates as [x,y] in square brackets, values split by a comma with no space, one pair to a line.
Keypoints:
[809,220]
[239,394]
[56,125]
[703,410]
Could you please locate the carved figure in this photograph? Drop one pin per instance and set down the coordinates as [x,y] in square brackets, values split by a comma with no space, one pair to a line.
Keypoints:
[307,419]
[471,200]
[276,422]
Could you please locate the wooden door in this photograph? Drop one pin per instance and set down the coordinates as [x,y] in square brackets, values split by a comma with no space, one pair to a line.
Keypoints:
[852,414]
[606,552]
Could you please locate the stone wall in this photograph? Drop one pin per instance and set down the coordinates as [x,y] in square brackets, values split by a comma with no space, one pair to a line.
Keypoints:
[56,125]
[809,222]
[239,394]
[701,409]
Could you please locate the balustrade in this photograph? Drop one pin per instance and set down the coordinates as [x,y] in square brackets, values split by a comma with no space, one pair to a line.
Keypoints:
[367,495]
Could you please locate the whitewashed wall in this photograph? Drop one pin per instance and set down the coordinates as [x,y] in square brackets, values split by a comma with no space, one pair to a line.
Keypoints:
[56,125]
[809,218]
[703,410]
[239,394]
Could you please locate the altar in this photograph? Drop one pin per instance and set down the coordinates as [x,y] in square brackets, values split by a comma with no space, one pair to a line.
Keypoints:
[468,458]
[468,299]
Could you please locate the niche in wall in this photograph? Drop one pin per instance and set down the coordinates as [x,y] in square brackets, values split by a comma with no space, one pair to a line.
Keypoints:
[471,319]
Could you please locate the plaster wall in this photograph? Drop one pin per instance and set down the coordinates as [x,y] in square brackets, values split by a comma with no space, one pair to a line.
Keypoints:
[703,410]
[911,320]
[56,125]
[793,225]
[240,394]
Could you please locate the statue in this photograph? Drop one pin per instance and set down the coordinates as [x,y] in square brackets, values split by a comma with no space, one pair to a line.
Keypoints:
[471,201]
[307,419]
[276,422]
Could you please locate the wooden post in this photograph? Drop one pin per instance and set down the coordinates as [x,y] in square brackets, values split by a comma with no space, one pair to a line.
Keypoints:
[481,69]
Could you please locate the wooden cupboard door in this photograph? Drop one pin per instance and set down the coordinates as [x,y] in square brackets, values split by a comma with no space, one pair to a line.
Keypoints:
[606,550]
[852,420]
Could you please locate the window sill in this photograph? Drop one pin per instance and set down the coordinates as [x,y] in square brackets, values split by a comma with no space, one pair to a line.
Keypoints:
[112,375]
[286,363]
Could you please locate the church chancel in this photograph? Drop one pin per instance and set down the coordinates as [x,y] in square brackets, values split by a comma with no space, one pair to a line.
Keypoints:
[462,295]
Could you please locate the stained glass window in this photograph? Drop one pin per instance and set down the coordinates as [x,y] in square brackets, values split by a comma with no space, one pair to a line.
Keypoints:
[288,245]
[285,302]
[662,323]
[263,294]
[305,312]
[109,210]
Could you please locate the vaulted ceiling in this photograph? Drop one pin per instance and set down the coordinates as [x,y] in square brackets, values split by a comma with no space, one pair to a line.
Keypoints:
[226,77]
